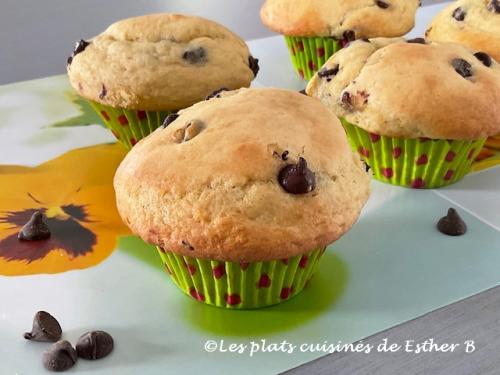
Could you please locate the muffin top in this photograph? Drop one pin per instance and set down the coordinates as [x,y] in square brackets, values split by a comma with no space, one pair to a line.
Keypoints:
[160,62]
[249,175]
[474,23]
[366,18]
[411,89]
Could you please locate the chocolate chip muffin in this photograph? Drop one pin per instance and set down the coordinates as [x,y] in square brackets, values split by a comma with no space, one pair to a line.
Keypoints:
[418,113]
[473,23]
[142,68]
[316,29]
[242,193]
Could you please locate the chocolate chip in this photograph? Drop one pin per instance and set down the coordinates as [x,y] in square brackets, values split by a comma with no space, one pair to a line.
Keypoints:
[367,167]
[382,4]
[349,35]
[462,67]
[35,229]
[303,92]
[494,6]
[79,47]
[216,93]
[452,224]
[169,119]
[366,40]
[253,63]
[94,345]
[195,56]
[458,14]
[484,58]
[46,328]
[297,178]
[346,100]
[187,245]
[329,73]
[416,41]
[103,93]
[60,357]
[284,155]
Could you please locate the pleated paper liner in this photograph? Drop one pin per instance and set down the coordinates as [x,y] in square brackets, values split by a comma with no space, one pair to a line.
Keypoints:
[241,285]
[309,54]
[129,126]
[416,163]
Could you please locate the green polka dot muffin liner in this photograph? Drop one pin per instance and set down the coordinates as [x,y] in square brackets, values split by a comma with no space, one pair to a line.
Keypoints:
[415,163]
[127,125]
[236,285]
[309,54]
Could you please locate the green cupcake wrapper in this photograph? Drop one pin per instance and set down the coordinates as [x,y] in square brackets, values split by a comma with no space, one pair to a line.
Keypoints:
[309,54]
[127,125]
[236,285]
[416,163]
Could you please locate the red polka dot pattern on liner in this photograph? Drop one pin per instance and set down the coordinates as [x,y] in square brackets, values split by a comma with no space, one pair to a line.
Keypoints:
[448,175]
[244,265]
[141,115]
[303,261]
[311,65]
[196,295]
[396,152]
[320,52]
[122,119]
[450,156]
[418,183]
[374,137]
[264,281]
[300,46]
[219,271]
[364,151]
[232,299]
[423,159]
[133,141]
[387,172]
[286,292]
[105,115]
[191,269]
[284,261]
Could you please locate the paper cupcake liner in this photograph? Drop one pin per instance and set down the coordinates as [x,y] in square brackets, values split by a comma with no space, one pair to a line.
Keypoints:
[129,126]
[241,285]
[309,54]
[415,163]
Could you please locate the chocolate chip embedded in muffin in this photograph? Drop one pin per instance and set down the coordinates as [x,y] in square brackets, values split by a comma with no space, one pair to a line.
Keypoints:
[349,36]
[253,63]
[195,55]
[462,67]
[494,6]
[416,41]
[60,357]
[103,92]
[452,224]
[459,14]
[187,245]
[484,58]
[297,178]
[94,345]
[35,229]
[79,47]
[382,4]
[284,155]
[346,100]
[216,93]
[329,73]
[169,119]
[45,328]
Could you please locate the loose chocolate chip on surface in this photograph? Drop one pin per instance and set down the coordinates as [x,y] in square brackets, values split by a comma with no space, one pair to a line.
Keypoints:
[459,14]
[94,345]
[462,67]
[382,4]
[103,93]
[46,328]
[349,35]
[452,224]
[416,41]
[484,58]
[253,63]
[169,119]
[494,6]
[297,178]
[195,56]
[329,73]
[346,100]
[35,229]
[60,357]
[216,93]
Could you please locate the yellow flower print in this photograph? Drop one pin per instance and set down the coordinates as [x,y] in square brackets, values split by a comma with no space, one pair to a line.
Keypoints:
[75,193]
